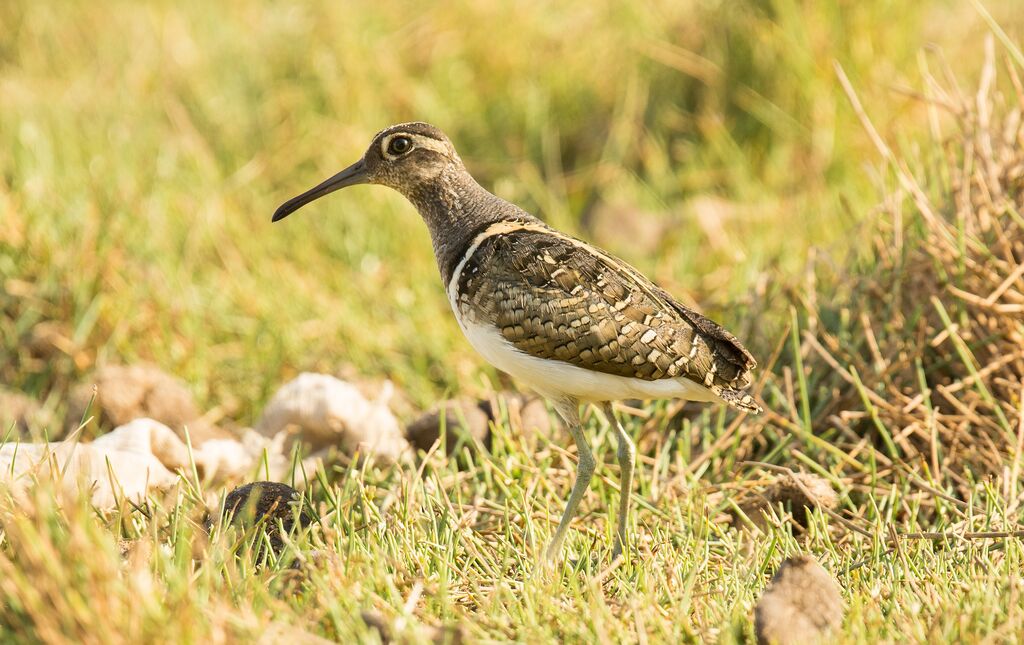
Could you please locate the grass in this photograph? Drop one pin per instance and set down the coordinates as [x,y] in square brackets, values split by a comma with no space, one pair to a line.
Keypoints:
[143,147]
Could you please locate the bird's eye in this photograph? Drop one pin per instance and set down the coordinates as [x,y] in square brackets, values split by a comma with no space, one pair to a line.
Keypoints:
[399,145]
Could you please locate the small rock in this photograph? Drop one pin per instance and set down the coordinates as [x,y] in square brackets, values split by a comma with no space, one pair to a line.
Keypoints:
[372,388]
[802,604]
[534,416]
[800,493]
[266,502]
[527,415]
[124,394]
[23,413]
[325,411]
[224,460]
[460,416]
[147,436]
[217,461]
[108,474]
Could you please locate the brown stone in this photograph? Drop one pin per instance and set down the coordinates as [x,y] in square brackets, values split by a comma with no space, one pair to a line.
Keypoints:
[799,493]
[126,393]
[802,604]
[462,416]
[473,418]
[269,504]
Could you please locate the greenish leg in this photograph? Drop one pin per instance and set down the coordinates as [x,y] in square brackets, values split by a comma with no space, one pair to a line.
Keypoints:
[570,412]
[627,461]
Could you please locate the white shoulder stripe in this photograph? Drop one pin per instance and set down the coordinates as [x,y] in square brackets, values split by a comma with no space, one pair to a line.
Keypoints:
[498,228]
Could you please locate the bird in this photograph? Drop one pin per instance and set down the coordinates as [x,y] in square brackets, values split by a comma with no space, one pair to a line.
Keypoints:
[568,319]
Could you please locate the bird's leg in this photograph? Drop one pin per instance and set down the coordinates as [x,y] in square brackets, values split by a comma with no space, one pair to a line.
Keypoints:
[569,410]
[627,460]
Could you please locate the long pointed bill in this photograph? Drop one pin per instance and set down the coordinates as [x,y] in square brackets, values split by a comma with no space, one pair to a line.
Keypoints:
[354,174]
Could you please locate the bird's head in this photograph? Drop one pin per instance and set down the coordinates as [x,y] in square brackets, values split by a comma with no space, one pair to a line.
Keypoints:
[402,157]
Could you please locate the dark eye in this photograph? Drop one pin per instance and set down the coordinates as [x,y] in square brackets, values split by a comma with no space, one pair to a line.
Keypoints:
[399,145]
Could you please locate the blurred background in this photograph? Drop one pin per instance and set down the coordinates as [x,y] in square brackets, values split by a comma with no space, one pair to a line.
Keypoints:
[144,146]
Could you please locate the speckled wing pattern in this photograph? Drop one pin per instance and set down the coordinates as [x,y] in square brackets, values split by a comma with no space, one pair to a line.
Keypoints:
[555,297]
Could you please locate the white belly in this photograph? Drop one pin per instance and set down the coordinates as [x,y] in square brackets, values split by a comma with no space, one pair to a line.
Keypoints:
[554,378]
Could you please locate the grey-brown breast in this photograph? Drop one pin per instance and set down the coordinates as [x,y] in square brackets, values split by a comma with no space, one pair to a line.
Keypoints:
[554,297]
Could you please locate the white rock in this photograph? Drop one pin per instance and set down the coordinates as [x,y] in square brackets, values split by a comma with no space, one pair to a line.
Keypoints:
[146,436]
[217,460]
[109,474]
[140,456]
[326,411]
[222,460]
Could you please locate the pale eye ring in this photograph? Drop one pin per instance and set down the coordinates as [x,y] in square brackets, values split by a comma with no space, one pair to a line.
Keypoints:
[399,145]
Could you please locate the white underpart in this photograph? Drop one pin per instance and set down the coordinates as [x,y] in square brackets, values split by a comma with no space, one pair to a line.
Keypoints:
[551,377]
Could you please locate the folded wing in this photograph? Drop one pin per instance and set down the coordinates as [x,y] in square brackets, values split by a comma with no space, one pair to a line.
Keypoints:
[555,297]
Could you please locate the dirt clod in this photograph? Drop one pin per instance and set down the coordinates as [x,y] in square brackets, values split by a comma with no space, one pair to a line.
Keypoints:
[470,418]
[462,416]
[266,503]
[799,493]
[126,393]
[802,604]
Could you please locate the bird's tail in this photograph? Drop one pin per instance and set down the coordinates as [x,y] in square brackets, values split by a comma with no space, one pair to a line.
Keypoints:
[737,399]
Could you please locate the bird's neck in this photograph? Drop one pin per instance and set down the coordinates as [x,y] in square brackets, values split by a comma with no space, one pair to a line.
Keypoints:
[456,209]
